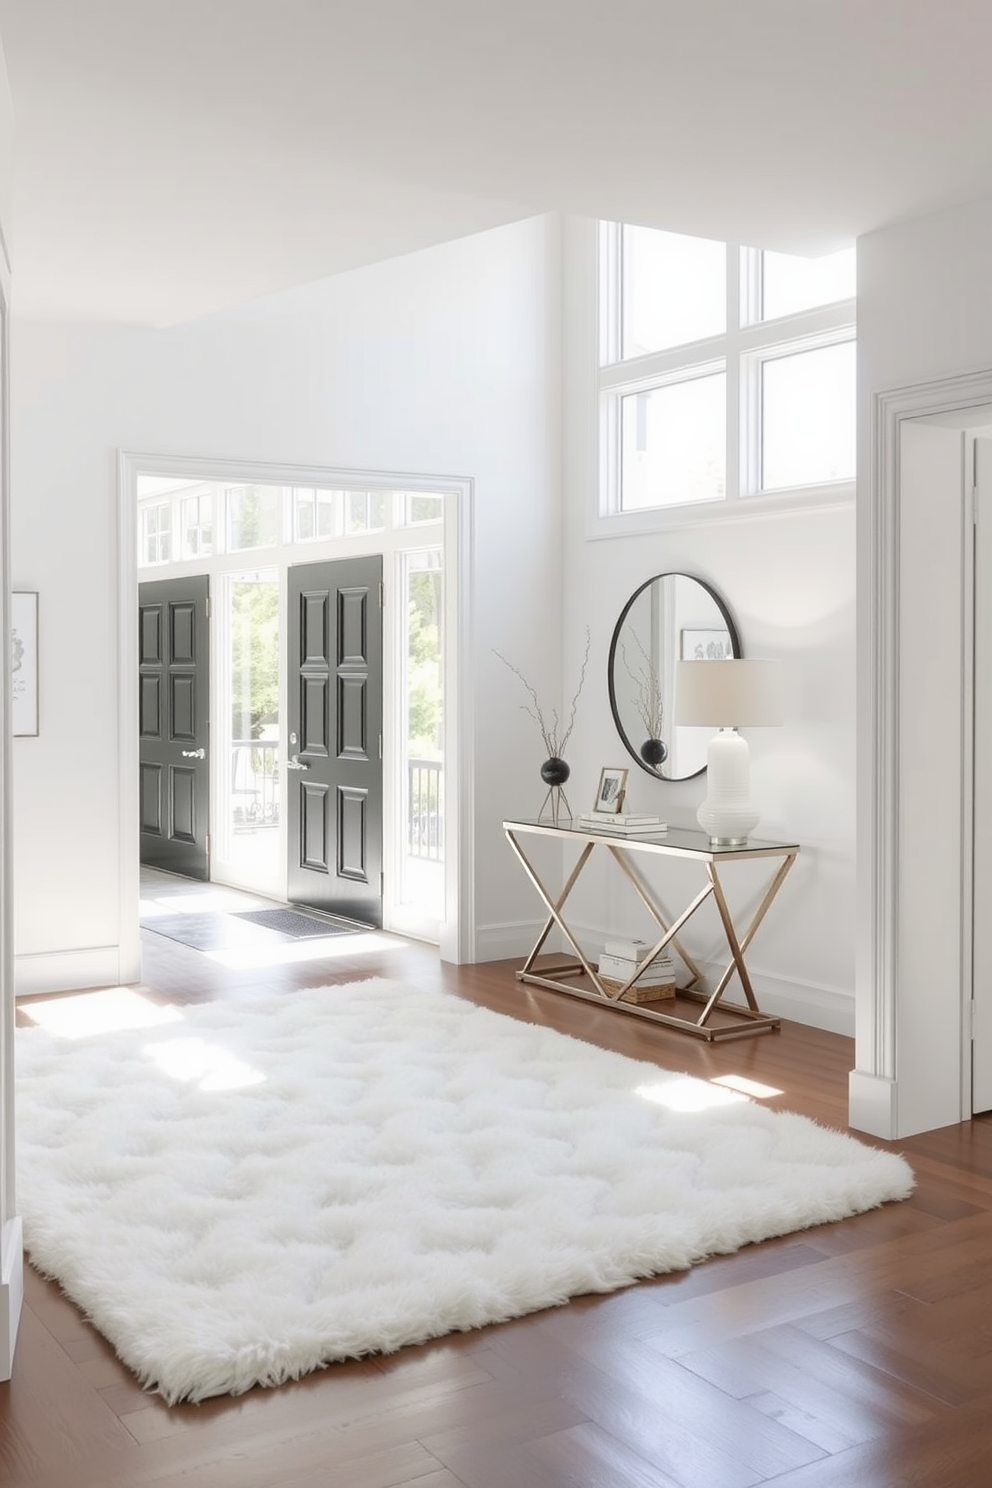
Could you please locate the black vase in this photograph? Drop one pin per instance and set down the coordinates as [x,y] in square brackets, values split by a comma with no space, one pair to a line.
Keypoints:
[554,771]
[654,752]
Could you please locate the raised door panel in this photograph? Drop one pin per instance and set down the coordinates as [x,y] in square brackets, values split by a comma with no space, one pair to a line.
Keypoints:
[183,722]
[183,804]
[353,835]
[313,822]
[353,718]
[150,707]
[314,715]
[151,796]
[150,652]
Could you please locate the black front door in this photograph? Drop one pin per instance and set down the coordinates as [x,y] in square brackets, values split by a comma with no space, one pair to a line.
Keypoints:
[173,707]
[334,737]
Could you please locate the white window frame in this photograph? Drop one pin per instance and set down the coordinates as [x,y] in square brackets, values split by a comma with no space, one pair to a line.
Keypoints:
[748,342]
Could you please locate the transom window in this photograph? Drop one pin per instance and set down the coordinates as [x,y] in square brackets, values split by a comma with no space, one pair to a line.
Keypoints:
[726,372]
[214,519]
[155,533]
[198,525]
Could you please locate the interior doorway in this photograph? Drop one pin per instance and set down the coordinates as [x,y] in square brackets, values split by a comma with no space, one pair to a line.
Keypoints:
[245,529]
[922,1042]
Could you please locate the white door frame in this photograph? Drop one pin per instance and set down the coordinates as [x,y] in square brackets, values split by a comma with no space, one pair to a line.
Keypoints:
[457,941]
[913,976]
[11,1241]
[980,451]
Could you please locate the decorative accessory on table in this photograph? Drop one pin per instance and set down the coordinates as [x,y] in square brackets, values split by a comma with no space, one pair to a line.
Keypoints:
[611,791]
[626,824]
[554,771]
[729,694]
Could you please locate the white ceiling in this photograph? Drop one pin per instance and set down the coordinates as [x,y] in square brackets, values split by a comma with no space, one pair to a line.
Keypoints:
[176,156]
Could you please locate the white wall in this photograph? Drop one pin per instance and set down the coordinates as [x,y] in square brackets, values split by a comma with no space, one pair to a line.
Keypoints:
[445,362]
[788,579]
[924,317]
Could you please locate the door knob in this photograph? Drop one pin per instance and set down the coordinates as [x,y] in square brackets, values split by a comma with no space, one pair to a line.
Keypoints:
[295,763]
[194,754]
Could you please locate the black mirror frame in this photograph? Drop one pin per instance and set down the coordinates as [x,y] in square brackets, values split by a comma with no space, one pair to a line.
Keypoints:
[735,644]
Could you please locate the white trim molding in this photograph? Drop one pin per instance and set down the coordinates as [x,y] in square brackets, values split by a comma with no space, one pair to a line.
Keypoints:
[11,1292]
[73,971]
[11,1261]
[913,828]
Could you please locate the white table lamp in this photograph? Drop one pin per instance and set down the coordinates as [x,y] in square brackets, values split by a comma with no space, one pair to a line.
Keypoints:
[729,695]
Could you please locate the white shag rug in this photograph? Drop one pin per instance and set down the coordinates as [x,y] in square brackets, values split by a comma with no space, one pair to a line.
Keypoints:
[250,1191]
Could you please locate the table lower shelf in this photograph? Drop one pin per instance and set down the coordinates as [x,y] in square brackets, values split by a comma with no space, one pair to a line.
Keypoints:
[745,1021]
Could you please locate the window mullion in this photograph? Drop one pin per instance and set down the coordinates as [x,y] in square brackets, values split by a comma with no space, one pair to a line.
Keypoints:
[749,287]
[733,446]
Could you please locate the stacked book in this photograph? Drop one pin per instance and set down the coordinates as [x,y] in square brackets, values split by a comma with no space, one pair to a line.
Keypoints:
[625,824]
[622,958]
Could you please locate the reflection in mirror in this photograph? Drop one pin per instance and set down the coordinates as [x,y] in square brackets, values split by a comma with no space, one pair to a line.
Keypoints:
[671,617]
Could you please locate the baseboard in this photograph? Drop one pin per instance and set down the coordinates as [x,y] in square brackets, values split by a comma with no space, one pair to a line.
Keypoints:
[802,1002]
[11,1292]
[872,1105]
[67,971]
[513,939]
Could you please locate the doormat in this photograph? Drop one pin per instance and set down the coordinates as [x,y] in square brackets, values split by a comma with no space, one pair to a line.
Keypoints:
[294,923]
[218,931]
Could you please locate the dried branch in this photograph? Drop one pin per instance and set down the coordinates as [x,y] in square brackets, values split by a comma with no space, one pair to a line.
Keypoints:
[552,734]
[648,701]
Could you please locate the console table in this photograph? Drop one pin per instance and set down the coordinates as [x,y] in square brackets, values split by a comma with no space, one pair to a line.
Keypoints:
[580,979]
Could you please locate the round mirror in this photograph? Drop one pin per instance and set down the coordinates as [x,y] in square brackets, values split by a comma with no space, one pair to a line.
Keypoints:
[670,617]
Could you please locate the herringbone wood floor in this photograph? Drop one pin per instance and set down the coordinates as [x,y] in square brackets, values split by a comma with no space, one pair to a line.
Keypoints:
[856,1355]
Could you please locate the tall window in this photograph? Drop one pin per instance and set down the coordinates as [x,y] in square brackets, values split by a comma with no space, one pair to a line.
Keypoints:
[725,372]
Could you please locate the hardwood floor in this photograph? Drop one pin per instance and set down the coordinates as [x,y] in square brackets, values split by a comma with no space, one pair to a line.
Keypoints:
[854,1355]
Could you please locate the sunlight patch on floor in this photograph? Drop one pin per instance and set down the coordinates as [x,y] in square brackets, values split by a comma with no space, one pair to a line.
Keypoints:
[206,899]
[747,1087]
[684,1093]
[195,1061]
[104,1011]
[324,948]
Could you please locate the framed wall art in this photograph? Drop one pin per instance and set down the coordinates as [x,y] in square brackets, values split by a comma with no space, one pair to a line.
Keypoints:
[707,645]
[24,662]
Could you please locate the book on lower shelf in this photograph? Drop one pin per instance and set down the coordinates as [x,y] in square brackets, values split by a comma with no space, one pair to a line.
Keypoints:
[628,950]
[662,969]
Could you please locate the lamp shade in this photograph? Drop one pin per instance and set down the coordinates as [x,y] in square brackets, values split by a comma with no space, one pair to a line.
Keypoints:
[729,694]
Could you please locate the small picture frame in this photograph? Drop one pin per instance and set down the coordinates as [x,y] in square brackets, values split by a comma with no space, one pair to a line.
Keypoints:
[24,662]
[707,645]
[612,789]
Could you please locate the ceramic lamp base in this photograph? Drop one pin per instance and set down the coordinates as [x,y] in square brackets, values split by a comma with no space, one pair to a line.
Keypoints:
[727,815]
